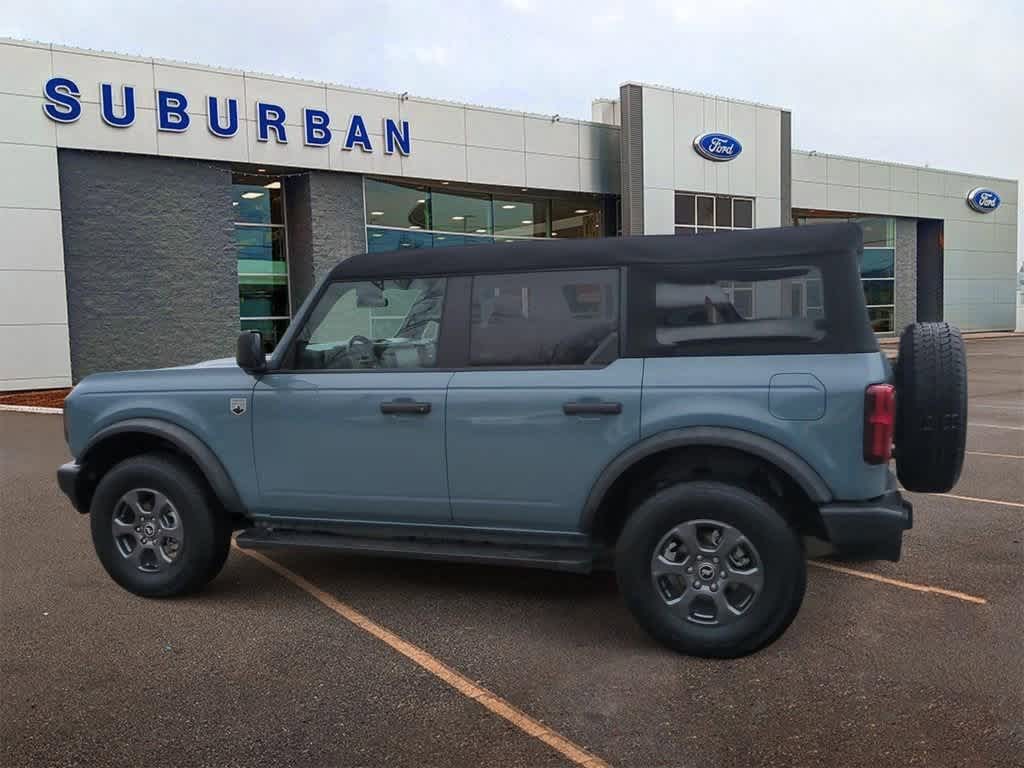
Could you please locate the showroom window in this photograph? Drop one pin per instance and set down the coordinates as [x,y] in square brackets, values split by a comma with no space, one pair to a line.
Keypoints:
[877,266]
[440,215]
[699,214]
[263,296]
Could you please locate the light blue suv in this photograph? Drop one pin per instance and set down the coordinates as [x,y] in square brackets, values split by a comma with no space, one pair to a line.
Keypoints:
[685,410]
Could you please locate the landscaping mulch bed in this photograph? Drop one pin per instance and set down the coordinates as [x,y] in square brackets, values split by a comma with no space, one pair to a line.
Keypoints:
[45,398]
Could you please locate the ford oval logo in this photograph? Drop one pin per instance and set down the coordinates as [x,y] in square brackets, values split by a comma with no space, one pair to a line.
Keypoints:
[717,146]
[983,200]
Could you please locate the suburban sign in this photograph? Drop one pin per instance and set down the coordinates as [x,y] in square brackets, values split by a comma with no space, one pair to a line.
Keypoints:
[717,146]
[63,105]
[983,200]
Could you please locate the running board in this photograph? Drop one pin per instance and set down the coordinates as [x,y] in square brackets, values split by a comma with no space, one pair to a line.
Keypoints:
[574,559]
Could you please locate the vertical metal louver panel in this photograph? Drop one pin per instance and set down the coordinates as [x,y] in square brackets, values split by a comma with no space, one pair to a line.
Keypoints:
[632,159]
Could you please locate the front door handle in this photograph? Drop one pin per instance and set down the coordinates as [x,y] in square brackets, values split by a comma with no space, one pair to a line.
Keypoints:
[586,408]
[404,406]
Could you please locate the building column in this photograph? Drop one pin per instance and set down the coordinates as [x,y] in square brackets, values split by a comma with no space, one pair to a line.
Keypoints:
[905,272]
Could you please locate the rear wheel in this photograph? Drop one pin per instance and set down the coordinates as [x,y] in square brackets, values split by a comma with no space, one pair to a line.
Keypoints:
[155,529]
[931,407]
[710,569]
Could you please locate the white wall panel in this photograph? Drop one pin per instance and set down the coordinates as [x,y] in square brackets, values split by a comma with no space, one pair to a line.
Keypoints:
[546,136]
[32,297]
[931,182]
[659,139]
[904,179]
[436,160]
[292,96]
[599,141]
[198,142]
[292,153]
[809,167]
[198,84]
[875,201]
[30,238]
[34,356]
[903,204]
[768,212]
[497,130]
[688,116]
[90,132]
[875,175]
[843,198]
[768,152]
[659,212]
[552,172]
[24,121]
[599,176]
[843,172]
[89,70]
[435,122]
[357,161]
[808,194]
[35,168]
[342,104]
[25,68]
[496,166]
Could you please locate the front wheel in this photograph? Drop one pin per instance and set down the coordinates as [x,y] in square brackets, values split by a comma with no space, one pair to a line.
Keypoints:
[155,528]
[711,569]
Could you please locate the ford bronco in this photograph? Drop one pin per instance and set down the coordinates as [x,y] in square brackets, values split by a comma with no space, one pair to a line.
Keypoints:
[688,411]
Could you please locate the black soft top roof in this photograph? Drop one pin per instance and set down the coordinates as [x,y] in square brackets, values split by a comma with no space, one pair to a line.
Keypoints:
[805,241]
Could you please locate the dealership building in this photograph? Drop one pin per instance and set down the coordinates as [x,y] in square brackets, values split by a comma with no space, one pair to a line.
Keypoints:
[153,208]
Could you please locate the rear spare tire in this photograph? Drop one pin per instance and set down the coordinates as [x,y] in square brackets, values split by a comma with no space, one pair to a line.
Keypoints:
[931,407]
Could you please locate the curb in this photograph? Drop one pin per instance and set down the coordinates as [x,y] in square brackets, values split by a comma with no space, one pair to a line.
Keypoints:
[29,409]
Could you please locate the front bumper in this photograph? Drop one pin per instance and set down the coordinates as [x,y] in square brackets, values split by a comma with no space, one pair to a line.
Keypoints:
[69,478]
[872,529]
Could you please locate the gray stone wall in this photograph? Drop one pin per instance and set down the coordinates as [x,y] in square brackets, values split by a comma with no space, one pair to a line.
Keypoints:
[326,224]
[150,261]
[906,273]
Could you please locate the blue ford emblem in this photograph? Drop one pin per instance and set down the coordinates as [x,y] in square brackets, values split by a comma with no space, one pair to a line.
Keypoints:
[717,146]
[983,200]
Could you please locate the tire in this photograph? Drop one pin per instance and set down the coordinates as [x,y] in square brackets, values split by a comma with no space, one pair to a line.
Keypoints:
[702,507]
[931,407]
[190,535]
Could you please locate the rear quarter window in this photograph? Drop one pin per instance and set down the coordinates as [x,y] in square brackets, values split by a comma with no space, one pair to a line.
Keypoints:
[735,308]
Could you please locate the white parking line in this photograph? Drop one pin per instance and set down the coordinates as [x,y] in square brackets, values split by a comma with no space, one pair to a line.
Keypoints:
[30,409]
[996,407]
[897,583]
[485,698]
[994,426]
[996,455]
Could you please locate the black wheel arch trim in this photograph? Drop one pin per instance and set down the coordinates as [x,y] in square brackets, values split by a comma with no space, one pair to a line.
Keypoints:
[718,437]
[185,441]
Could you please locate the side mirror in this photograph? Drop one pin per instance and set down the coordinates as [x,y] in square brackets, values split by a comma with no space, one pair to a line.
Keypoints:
[250,356]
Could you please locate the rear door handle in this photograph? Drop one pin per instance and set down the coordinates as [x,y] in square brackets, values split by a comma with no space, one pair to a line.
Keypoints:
[590,408]
[405,406]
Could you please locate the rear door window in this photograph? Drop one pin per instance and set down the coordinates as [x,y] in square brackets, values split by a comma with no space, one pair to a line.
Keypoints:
[557,318]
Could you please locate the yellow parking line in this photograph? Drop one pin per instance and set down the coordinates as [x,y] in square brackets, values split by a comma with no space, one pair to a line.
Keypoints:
[997,455]
[897,583]
[492,702]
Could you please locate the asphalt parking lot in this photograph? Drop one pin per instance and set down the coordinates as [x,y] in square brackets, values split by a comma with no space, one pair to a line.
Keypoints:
[260,671]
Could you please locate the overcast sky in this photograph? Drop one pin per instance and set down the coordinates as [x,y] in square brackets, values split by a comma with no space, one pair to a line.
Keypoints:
[937,82]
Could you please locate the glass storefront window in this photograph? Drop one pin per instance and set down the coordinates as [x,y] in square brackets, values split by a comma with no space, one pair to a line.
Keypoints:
[264,302]
[700,214]
[520,217]
[570,218]
[255,203]
[462,213]
[404,215]
[877,265]
[392,205]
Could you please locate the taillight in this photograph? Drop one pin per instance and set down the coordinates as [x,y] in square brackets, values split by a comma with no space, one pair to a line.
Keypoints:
[879,422]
